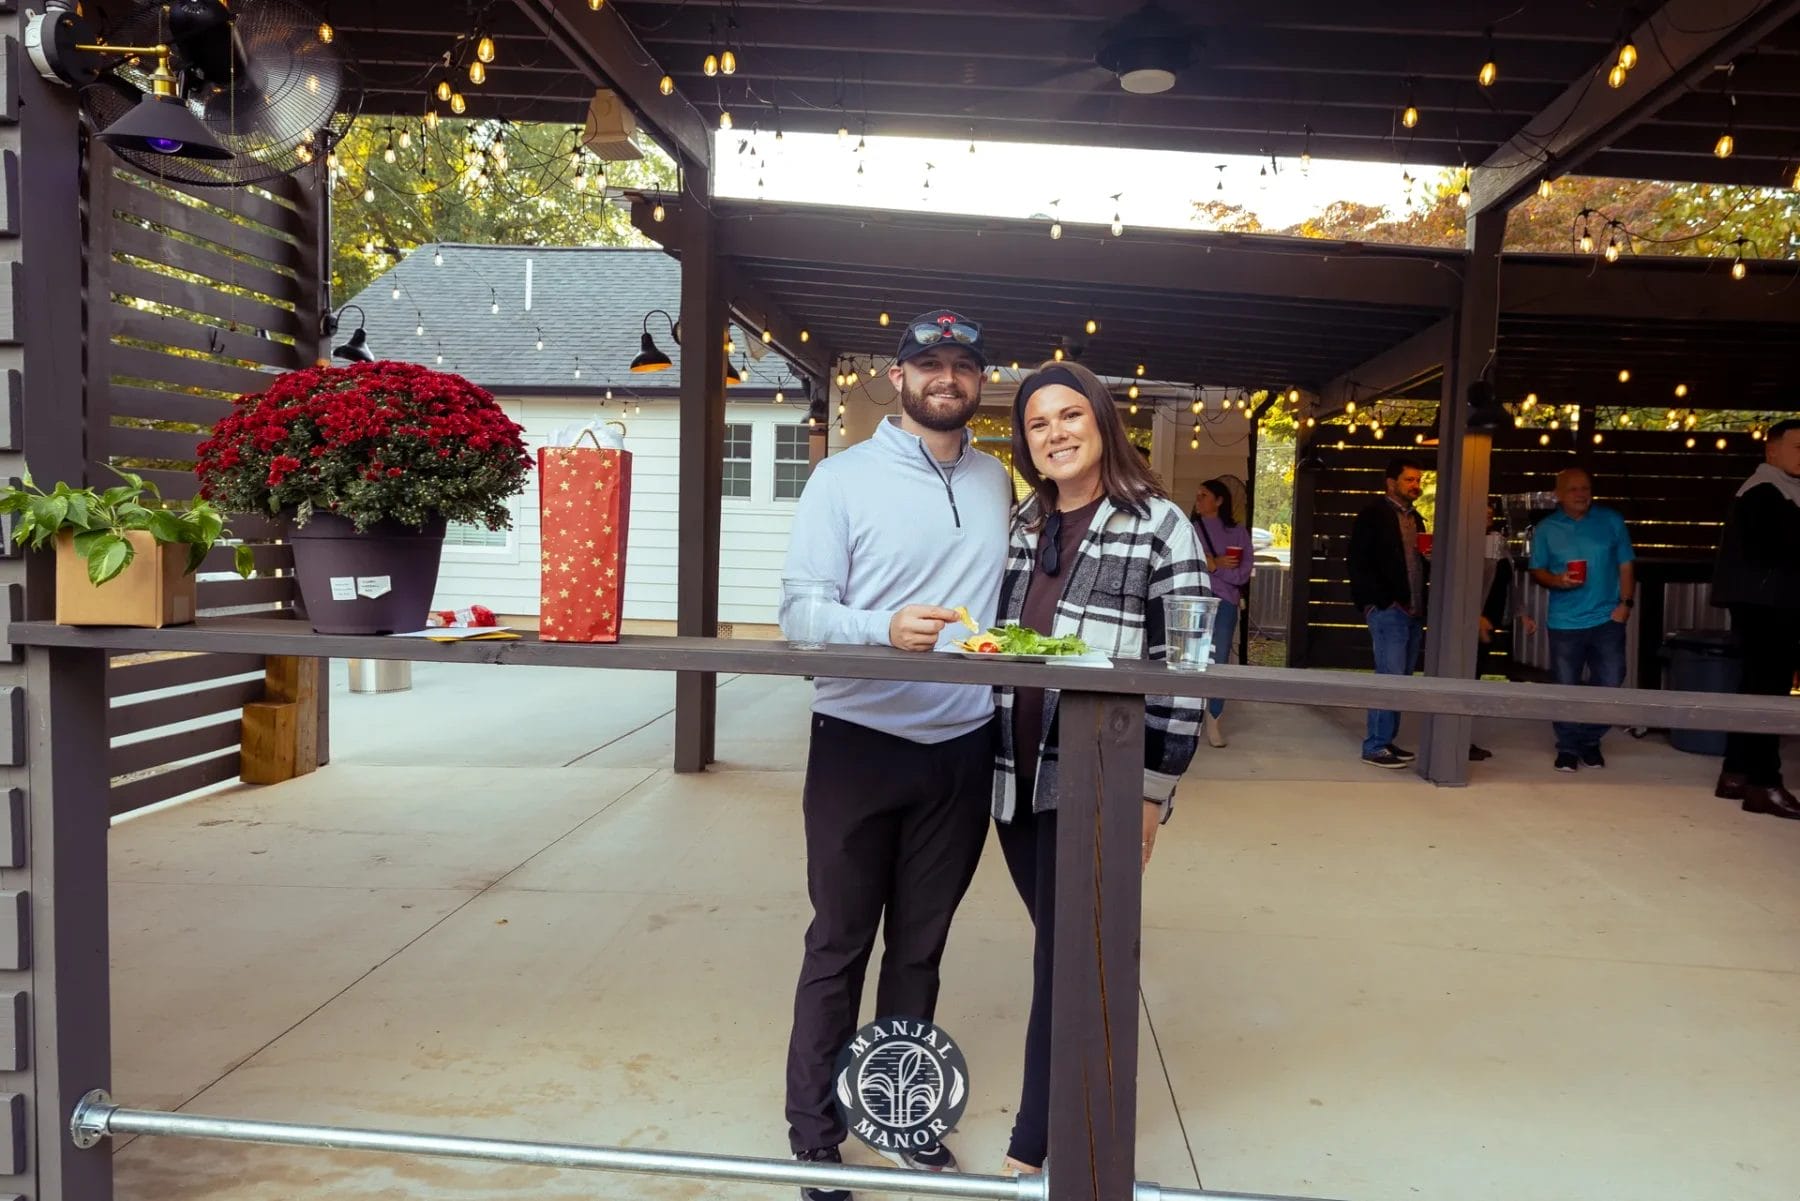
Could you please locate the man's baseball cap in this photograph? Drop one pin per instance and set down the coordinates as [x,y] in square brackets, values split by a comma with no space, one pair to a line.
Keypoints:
[940,327]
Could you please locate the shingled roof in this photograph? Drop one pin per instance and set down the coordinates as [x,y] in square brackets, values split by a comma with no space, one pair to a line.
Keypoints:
[583,301]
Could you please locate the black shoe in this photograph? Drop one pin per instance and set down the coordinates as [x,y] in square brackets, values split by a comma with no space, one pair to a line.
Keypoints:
[1402,755]
[822,1155]
[1731,786]
[1775,801]
[1478,753]
[1591,757]
[1565,761]
[933,1158]
[1385,757]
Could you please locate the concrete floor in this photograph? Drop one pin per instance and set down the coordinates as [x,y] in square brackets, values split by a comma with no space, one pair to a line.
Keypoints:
[498,913]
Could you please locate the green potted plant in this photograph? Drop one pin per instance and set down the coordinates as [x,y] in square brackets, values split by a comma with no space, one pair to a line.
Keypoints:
[124,556]
[367,463]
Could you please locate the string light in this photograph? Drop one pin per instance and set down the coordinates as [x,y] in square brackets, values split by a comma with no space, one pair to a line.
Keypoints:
[457,104]
[1490,71]
[1545,188]
[1616,77]
[1739,268]
[1612,249]
[406,139]
[1093,327]
[805,336]
[577,366]
[437,258]
[431,118]
[419,331]
[728,62]
[1720,444]
[1531,400]
[1725,146]
[477,72]
[883,319]
[1628,56]
[1680,390]
[768,336]
[1624,375]
[1463,198]
[443,89]
[994,376]
[1409,117]
[326,32]
[711,66]
[1057,354]
[1056,226]
[484,49]
[666,85]
[396,292]
[780,396]
[1140,371]
[1350,408]
[1691,443]
[658,213]
[595,6]
[724,119]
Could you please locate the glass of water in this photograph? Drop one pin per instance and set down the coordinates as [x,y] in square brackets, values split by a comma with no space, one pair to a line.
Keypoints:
[1188,621]
[803,614]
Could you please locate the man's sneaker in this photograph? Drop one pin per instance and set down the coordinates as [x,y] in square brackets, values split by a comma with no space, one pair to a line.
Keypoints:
[1567,762]
[1405,756]
[1591,757]
[1385,757]
[822,1155]
[934,1157]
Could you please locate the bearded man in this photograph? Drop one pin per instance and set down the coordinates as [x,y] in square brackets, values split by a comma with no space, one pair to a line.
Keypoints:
[904,528]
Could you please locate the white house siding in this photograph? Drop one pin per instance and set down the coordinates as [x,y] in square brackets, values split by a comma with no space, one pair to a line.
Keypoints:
[754,530]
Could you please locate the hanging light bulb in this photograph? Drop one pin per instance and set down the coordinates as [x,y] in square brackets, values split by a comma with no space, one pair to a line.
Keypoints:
[1624,418]
[843,132]
[1691,421]
[1599,438]
[724,119]
[994,376]
[484,48]
[1531,399]
[540,341]
[1543,439]
[1738,269]
[1797,179]
[389,155]
[1518,423]
[437,258]
[1725,146]
[658,213]
[369,194]
[1587,241]
[1691,443]
[326,32]
[406,139]
[1056,227]
[1612,250]
[595,6]
[711,66]
[477,73]
[805,336]
[1555,423]
[420,329]
[768,336]
[495,307]
[1118,227]
[1093,327]
[1628,56]
[883,319]
[1293,396]
[666,85]
[1057,354]
[578,368]
[1409,116]
[1133,392]
[728,62]
[431,118]
[457,104]
[1624,375]
[443,89]
[1488,74]
[1616,77]
[1463,198]
[1140,370]
[780,396]
[440,358]
[1545,187]
[1680,390]
[396,292]
[1193,444]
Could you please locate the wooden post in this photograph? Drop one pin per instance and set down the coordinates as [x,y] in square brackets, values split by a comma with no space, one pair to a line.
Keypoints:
[702,468]
[1463,461]
[1300,558]
[281,731]
[1099,901]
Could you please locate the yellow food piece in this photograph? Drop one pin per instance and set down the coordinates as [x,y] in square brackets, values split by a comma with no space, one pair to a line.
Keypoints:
[962,615]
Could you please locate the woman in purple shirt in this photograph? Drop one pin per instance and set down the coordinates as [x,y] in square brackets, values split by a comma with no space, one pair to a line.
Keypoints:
[1229,558]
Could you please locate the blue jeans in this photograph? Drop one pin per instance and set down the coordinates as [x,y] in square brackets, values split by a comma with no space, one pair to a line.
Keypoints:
[1600,652]
[1224,626]
[1397,636]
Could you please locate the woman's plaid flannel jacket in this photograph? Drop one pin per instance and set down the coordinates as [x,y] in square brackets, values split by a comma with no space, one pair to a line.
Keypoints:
[1113,598]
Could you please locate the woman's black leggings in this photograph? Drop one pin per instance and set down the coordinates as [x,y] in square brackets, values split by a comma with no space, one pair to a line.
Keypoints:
[1029,844]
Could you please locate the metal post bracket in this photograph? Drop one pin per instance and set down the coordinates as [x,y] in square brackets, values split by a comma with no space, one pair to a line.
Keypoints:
[92,1119]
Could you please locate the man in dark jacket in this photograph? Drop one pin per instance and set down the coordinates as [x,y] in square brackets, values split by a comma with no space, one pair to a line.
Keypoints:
[1758,579]
[1387,582]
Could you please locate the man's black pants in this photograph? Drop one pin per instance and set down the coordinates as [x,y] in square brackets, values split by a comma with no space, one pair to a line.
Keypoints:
[1771,642]
[894,830]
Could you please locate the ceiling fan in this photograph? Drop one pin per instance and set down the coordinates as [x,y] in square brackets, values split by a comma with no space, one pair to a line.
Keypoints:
[1144,52]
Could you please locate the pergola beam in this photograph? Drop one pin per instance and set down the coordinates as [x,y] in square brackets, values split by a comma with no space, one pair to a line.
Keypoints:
[603,47]
[1677,46]
[1402,366]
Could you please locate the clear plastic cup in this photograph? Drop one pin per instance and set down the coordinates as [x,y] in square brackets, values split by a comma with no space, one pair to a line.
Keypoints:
[1188,623]
[803,612]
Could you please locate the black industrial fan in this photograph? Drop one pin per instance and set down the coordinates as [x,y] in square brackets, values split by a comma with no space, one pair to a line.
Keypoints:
[264,86]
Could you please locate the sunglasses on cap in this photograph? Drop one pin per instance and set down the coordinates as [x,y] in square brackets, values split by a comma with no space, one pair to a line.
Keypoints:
[931,333]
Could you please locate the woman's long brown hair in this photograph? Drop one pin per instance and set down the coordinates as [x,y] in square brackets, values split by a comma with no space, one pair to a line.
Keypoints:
[1125,479]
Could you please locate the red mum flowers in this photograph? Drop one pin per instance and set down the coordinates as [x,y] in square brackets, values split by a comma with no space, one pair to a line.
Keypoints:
[370,442]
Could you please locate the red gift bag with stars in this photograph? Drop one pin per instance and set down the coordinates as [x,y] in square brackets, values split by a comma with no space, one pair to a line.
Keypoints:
[584,510]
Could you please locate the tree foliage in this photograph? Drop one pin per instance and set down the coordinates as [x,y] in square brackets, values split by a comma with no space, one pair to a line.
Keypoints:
[483,182]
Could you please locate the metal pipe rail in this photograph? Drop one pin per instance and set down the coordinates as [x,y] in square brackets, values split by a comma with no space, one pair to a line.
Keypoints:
[96,1117]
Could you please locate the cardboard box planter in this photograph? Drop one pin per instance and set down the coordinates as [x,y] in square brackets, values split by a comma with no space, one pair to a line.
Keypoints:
[155,591]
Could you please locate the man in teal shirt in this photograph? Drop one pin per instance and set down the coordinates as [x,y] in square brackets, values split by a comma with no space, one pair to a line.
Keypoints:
[1583,555]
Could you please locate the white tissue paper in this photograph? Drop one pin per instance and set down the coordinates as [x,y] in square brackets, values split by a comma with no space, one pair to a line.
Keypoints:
[609,434]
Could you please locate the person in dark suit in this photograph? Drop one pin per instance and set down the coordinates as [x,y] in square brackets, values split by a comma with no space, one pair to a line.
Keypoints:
[1757,577]
[1387,582]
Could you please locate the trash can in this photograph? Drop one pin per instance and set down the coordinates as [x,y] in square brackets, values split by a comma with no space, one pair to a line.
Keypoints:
[380,675]
[1701,661]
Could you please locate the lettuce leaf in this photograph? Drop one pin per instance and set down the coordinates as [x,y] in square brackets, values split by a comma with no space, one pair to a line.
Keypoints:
[1023,640]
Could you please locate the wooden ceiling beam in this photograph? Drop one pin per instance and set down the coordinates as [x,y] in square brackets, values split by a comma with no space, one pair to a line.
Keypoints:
[1677,47]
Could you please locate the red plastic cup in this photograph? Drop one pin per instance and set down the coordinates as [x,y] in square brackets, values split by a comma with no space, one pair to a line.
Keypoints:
[1424,543]
[1577,571]
[1234,555]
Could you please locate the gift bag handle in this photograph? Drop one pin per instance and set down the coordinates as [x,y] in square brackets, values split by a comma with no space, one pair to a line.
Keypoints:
[589,434]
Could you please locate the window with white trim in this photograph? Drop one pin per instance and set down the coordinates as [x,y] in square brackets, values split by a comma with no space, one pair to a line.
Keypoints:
[465,536]
[793,460]
[737,460]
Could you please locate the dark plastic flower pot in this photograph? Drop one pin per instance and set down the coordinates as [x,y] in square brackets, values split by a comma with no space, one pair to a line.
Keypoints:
[378,582]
